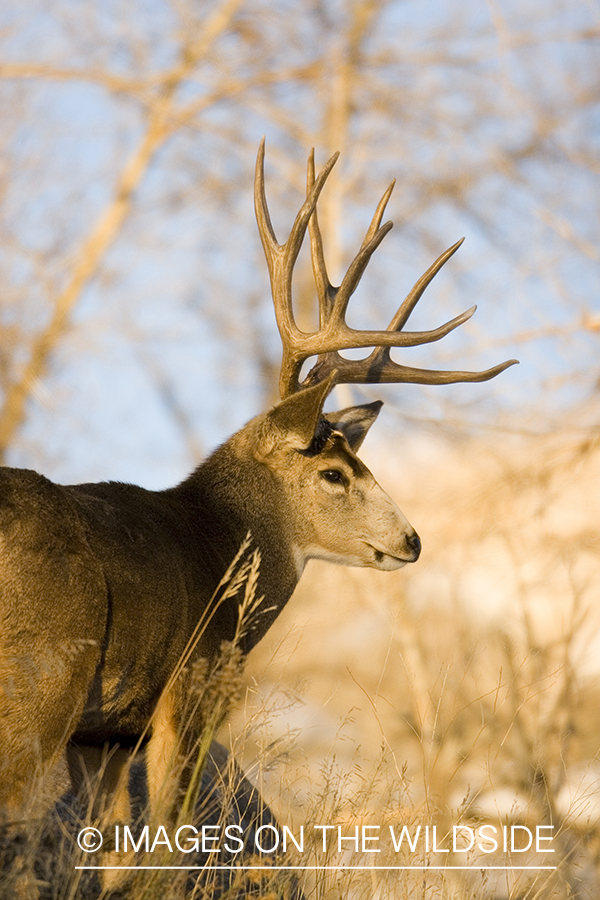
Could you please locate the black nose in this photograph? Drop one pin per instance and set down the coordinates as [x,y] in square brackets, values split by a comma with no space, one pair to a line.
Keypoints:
[414,544]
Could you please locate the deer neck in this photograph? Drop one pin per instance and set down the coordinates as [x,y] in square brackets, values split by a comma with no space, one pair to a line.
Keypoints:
[234,494]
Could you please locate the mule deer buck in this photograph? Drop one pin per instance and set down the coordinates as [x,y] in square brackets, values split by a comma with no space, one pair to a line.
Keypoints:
[102,586]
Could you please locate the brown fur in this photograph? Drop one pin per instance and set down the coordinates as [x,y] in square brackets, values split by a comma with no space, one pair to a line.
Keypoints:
[102,585]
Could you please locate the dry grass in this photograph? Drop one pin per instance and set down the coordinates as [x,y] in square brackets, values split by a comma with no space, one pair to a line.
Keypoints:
[470,679]
[463,691]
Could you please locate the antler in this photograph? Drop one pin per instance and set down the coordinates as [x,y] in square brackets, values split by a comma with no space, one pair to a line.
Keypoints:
[334,334]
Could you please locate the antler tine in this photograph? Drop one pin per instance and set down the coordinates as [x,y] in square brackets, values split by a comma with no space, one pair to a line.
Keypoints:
[378,214]
[382,370]
[294,242]
[413,297]
[334,301]
[281,259]
[356,271]
[373,238]
[325,289]
[261,209]
[285,254]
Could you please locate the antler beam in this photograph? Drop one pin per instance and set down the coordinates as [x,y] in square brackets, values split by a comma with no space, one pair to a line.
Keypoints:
[334,333]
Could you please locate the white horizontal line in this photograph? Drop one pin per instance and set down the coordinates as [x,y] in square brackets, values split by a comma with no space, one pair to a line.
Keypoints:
[330,868]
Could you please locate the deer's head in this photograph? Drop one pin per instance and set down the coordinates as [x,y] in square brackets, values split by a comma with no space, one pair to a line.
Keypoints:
[337,509]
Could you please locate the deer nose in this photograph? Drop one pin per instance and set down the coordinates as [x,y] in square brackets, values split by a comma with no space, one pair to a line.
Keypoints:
[414,545]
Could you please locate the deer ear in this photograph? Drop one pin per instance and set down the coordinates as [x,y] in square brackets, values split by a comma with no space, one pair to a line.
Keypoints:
[294,420]
[355,421]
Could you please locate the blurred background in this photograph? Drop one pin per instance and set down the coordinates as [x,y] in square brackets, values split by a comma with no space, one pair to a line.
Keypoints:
[137,333]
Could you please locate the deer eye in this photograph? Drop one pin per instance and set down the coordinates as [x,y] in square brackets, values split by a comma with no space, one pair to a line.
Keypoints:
[334,476]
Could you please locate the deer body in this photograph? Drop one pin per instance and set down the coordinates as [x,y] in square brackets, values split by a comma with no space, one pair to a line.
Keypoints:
[108,581]
[103,586]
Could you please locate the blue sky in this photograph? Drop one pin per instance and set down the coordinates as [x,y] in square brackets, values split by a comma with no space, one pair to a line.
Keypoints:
[486,114]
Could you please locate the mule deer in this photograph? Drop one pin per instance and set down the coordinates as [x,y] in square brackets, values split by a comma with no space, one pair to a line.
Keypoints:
[102,586]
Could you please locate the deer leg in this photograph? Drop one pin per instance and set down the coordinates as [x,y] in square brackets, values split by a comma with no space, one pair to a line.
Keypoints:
[100,777]
[41,699]
[163,756]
